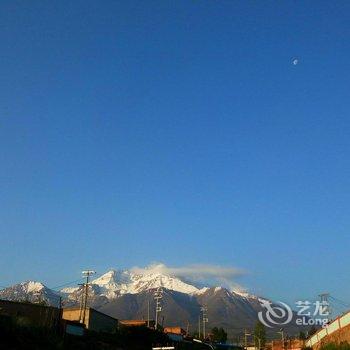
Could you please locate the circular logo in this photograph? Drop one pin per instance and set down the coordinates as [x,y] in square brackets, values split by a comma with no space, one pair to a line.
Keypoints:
[274,314]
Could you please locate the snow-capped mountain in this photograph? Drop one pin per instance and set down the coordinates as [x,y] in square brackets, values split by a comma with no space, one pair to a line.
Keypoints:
[125,294]
[115,283]
[141,282]
[31,291]
[104,288]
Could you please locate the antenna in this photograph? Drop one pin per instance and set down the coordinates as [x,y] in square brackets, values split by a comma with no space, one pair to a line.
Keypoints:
[158,295]
[205,320]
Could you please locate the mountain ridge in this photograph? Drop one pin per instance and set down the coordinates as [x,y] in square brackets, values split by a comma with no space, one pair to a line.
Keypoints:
[126,294]
[109,286]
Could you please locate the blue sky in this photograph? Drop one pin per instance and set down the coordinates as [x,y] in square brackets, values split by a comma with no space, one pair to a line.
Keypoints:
[179,132]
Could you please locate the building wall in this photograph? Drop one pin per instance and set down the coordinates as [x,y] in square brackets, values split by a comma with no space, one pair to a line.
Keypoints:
[339,336]
[94,320]
[100,322]
[291,344]
[74,328]
[174,330]
[336,332]
[73,314]
[31,314]
[137,323]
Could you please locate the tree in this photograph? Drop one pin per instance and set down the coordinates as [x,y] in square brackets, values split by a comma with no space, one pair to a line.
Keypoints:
[302,335]
[259,335]
[312,331]
[195,335]
[219,335]
[335,346]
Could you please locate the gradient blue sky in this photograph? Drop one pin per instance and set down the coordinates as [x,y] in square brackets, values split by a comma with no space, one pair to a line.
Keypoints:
[180,132]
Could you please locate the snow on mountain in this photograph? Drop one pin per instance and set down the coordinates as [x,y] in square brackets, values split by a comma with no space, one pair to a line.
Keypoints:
[32,286]
[31,291]
[201,291]
[126,293]
[109,286]
[142,282]
[115,283]
[69,290]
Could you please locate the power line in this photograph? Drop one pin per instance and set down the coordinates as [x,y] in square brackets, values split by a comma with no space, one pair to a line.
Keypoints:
[343,303]
[97,275]
[57,288]
[339,309]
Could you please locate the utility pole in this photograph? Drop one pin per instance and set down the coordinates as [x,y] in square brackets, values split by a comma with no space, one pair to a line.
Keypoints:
[60,305]
[282,336]
[148,313]
[246,339]
[81,302]
[259,341]
[87,275]
[326,308]
[158,295]
[205,320]
[240,340]
[199,326]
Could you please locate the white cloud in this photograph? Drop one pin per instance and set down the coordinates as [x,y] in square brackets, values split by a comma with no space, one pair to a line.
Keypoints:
[205,274]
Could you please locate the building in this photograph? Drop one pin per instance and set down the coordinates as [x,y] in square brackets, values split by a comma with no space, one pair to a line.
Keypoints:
[288,344]
[94,320]
[73,328]
[31,314]
[337,331]
[175,330]
[137,323]
[175,333]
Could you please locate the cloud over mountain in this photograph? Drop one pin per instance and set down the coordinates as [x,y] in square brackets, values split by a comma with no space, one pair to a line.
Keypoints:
[198,273]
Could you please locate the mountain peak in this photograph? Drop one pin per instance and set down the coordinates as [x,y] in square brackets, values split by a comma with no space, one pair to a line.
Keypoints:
[114,283]
[156,279]
[32,286]
[31,291]
[117,282]
[107,278]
